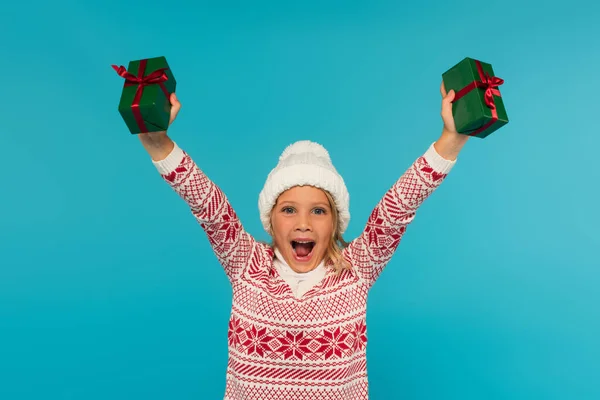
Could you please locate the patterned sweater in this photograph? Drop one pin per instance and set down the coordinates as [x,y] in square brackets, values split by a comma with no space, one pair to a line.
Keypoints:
[313,347]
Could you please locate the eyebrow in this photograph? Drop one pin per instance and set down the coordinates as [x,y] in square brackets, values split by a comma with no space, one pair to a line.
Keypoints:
[290,202]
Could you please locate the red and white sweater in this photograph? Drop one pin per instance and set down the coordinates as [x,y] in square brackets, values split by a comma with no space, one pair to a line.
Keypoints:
[310,346]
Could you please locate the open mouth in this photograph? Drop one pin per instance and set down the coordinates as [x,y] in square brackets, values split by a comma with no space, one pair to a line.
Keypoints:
[303,249]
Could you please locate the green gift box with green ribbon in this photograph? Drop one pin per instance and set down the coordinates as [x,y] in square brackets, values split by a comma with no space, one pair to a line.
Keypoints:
[478,108]
[145,105]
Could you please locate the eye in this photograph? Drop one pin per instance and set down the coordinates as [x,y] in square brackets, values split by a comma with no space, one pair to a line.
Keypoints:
[287,210]
[320,211]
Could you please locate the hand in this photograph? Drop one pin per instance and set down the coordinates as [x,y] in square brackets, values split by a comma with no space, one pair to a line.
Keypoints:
[158,144]
[447,117]
[160,135]
[451,142]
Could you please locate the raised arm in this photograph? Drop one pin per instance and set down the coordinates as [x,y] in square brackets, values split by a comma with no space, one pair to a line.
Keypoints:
[372,250]
[231,243]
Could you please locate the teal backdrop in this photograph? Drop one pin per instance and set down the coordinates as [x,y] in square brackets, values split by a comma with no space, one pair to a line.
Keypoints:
[108,287]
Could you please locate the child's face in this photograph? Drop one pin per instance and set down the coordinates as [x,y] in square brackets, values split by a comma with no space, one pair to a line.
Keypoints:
[302,226]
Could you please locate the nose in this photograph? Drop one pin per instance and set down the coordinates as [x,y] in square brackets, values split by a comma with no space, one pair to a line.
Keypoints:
[303,223]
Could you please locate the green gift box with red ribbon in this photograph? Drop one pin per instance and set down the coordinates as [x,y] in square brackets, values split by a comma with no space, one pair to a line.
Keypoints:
[478,108]
[145,104]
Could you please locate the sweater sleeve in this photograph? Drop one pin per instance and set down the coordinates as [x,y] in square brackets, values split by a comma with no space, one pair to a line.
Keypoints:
[370,252]
[230,242]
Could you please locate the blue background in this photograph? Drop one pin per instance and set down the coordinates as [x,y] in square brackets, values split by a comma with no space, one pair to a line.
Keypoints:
[108,287]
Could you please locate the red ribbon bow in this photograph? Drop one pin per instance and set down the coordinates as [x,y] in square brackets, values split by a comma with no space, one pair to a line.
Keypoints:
[155,77]
[490,84]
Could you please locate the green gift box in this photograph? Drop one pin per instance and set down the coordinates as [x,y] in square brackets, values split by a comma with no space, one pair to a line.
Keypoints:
[478,108]
[145,104]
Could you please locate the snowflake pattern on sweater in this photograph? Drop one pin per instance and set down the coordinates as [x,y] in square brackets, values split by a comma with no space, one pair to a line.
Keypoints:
[312,347]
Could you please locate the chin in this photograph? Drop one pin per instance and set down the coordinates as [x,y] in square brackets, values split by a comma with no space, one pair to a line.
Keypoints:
[303,268]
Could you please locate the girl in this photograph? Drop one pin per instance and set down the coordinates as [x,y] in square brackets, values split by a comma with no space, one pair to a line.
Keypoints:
[297,328]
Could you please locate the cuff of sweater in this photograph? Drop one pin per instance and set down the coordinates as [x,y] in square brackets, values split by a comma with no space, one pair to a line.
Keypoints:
[169,163]
[437,162]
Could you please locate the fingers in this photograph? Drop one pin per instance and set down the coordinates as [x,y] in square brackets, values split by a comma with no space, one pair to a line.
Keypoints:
[447,104]
[448,98]
[174,101]
[175,107]
[446,112]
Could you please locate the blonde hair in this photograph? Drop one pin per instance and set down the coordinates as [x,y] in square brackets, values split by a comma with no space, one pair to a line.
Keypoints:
[333,254]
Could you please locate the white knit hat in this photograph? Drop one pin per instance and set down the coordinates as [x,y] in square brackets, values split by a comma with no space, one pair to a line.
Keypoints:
[304,163]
